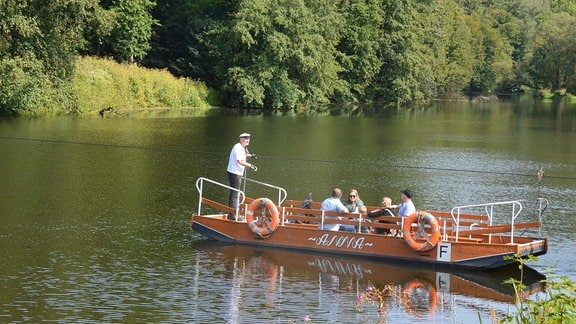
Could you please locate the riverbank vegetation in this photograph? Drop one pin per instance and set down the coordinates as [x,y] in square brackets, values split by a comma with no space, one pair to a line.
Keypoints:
[285,54]
[103,86]
[557,303]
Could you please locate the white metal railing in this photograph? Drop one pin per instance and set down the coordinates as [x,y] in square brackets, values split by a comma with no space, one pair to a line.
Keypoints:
[542,205]
[281,191]
[200,187]
[241,195]
[489,209]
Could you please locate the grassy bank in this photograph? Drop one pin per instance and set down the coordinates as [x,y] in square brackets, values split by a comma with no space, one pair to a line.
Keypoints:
[102,85]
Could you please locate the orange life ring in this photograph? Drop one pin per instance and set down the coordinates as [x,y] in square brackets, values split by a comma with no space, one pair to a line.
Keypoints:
[410,289]
[268,221]
[421,240]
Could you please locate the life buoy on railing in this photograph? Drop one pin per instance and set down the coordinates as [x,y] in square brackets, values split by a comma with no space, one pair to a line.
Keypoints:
[411,290]
[267,222]
[424,238]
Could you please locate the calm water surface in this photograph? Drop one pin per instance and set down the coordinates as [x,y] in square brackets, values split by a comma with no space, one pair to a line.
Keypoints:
[95,213]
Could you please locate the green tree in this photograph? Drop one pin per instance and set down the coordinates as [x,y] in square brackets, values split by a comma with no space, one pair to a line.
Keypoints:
[446,42]
[130,38]
[493,52]
[183,39]
[39,40]
[554,63]
[403,65]
[283,53]
[97,31]
[359,45]
[568,6]
[174,41]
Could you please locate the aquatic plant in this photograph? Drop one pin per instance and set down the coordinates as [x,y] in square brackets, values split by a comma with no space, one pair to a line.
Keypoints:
[376,296]
[557,304]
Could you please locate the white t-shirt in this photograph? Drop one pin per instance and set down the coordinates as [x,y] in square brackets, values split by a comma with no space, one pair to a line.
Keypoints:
[335,205]
[238,153]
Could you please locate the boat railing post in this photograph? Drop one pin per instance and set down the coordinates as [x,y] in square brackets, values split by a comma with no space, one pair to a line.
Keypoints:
[456,220]
[359,222]
[515,214]
[458,225]
[489,214]
[472,227]
[542,205]
[282,195]
[199,187]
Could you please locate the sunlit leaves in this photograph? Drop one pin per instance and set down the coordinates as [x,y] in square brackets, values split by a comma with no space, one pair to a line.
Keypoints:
[554,61]
[284,52]
[131,36]
[39,40]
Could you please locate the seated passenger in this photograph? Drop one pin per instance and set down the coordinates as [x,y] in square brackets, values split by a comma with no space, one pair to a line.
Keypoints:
[407,206]
[386,210]
[354,205]
[333,203]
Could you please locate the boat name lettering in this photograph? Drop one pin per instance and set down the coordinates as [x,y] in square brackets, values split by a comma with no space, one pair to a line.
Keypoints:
[340,241]
[339,267]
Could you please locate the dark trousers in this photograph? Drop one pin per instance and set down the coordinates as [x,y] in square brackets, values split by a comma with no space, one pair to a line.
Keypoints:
[235,181]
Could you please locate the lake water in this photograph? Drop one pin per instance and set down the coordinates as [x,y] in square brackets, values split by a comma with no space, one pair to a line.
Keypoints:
[95,212]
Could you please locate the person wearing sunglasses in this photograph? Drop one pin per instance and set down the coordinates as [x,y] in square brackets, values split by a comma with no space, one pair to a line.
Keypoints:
[355,205]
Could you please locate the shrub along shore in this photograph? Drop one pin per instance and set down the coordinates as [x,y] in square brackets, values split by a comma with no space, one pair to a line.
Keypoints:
[104,86]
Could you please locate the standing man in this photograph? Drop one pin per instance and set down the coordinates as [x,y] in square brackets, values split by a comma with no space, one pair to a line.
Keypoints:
[236,164]
[407,206]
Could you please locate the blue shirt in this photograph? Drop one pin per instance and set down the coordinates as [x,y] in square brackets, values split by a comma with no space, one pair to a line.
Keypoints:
[406,208]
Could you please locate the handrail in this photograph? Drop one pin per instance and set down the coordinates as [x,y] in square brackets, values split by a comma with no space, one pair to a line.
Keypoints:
[241,195]
[489,209]
[281,191]
[542,205]
[200,188]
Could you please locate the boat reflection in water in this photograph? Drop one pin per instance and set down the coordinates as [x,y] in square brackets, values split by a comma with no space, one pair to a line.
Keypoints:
[271,277]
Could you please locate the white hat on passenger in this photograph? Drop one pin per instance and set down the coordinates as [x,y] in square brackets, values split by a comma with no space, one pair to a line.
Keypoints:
[244,135]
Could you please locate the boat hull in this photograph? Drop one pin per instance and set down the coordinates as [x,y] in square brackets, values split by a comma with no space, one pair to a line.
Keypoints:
[376,247]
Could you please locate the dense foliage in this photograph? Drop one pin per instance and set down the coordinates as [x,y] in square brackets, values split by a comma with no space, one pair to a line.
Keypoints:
[287,53]
[105,87]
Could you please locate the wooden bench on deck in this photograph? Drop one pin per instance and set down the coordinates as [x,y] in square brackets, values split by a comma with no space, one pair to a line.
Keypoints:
[293,212]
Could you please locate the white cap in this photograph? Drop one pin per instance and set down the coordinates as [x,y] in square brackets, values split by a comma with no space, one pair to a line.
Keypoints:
[244,135]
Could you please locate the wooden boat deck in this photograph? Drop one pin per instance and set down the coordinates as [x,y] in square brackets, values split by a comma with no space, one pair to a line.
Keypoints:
[310,218]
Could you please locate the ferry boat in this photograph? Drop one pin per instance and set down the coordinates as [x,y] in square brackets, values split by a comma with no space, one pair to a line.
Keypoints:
[476,236]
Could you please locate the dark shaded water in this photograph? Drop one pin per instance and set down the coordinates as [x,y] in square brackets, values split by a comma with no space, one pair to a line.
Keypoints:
[95,213]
